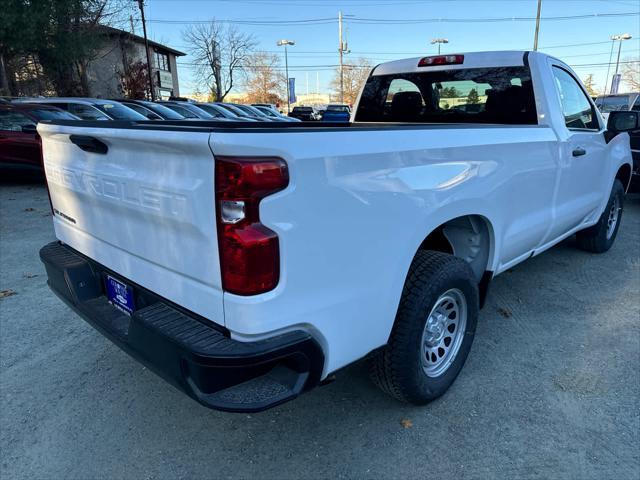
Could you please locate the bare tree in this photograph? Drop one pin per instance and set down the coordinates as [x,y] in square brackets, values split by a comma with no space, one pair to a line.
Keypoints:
[265,82]
[355,75]
[631,75]
[219,55]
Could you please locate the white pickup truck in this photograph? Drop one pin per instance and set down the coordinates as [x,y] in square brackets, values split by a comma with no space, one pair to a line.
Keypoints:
[246,263]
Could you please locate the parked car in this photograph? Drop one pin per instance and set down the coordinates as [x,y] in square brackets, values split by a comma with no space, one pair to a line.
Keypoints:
[270,258]
[152,110]
[89,108]
[188,110]
[336,113]
[620,103]
[246,116]
[219,112]
[20,147]
[257,114]
[274,114]
[306,114]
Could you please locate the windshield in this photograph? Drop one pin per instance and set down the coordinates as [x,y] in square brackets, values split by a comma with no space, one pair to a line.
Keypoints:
[164,111]
[200,113]
[303,109]
[267,111]
[502,95]
[248,111]
[181,110]
[217,111]
[51,114]
[613,103]
[118,111]
[236,110]
[338,108]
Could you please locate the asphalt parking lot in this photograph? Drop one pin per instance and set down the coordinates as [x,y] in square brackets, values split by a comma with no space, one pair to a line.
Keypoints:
[551,388]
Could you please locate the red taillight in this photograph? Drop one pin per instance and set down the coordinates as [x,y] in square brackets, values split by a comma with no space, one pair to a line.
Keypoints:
[441,60]
[249,251]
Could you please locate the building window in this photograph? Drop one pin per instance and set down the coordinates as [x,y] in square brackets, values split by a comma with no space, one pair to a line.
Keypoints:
[162,61]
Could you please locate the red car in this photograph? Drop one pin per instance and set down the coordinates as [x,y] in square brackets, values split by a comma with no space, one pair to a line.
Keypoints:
[20,147]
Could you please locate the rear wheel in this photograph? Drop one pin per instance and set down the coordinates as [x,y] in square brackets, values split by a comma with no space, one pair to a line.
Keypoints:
[433,330]
[600,237]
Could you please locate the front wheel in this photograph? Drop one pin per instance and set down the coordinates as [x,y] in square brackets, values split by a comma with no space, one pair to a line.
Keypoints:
[433,330]
[600,237]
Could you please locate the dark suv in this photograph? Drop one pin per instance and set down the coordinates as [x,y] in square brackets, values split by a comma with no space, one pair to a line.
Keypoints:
[306,114]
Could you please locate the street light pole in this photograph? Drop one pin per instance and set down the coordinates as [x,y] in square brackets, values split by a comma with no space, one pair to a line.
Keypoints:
[624,36]
[284,43]
[146,48]
[439,41]
[619,37]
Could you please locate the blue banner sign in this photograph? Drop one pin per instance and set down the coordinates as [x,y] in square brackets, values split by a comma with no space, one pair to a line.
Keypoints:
[292,90]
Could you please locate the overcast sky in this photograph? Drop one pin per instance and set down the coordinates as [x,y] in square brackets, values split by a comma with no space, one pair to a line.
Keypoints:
[582,42]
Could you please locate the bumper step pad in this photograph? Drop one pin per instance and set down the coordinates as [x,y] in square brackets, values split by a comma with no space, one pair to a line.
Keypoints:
[192,354]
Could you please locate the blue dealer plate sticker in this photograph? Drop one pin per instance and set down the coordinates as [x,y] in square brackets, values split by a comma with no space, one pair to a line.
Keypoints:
[120,295]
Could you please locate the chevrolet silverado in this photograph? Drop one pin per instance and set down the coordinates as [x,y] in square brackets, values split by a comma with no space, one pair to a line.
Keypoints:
[246,262]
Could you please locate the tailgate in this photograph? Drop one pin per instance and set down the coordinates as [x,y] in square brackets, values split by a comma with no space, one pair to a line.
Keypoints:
[145,208]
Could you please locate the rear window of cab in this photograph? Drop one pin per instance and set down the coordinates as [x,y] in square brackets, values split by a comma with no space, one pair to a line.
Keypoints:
[502,95]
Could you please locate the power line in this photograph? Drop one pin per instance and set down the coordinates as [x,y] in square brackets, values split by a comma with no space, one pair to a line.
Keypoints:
[379,21]
[331,66]
[398,21]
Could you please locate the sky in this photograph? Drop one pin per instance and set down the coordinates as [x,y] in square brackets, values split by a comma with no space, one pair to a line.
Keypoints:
[382,30]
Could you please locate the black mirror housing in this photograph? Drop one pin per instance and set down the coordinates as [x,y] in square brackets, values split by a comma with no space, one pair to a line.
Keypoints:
[28,129]
[622,121]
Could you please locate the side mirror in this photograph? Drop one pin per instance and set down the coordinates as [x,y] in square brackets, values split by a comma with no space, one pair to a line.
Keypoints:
[153,116]
[623,121]
[31,128]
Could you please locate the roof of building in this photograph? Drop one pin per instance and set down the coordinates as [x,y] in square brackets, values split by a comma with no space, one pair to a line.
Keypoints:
[136,38]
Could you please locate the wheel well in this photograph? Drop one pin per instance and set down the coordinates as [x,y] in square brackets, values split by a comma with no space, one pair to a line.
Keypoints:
[467,237]
[624,175]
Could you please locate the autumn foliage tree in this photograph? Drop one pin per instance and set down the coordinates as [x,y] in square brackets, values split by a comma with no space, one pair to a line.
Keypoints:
[355,75]
[265,82]
[134,80]
[589,84]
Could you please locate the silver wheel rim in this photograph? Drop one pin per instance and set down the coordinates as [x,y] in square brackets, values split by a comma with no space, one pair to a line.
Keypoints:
[614,214]
[443,332]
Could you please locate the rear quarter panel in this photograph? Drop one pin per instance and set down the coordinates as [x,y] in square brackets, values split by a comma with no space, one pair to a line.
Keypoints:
[358,206]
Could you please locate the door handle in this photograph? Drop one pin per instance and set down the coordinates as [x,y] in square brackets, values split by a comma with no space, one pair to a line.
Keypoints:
[578,152]
[89,144]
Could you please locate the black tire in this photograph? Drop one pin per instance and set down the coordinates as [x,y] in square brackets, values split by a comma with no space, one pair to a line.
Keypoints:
[595,239]
[398,368]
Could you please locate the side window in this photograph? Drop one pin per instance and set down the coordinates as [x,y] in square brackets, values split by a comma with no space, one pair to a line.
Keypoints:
[13,121]
[636,105]
[576,107]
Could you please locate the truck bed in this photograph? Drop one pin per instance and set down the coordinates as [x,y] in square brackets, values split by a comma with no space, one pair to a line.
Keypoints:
[350,191]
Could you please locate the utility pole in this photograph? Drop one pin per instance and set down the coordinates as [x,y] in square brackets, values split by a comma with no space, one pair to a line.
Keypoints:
[535,38]
[146,48]
[341,50]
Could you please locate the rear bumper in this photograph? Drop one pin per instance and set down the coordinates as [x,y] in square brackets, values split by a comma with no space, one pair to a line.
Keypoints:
[194,355]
